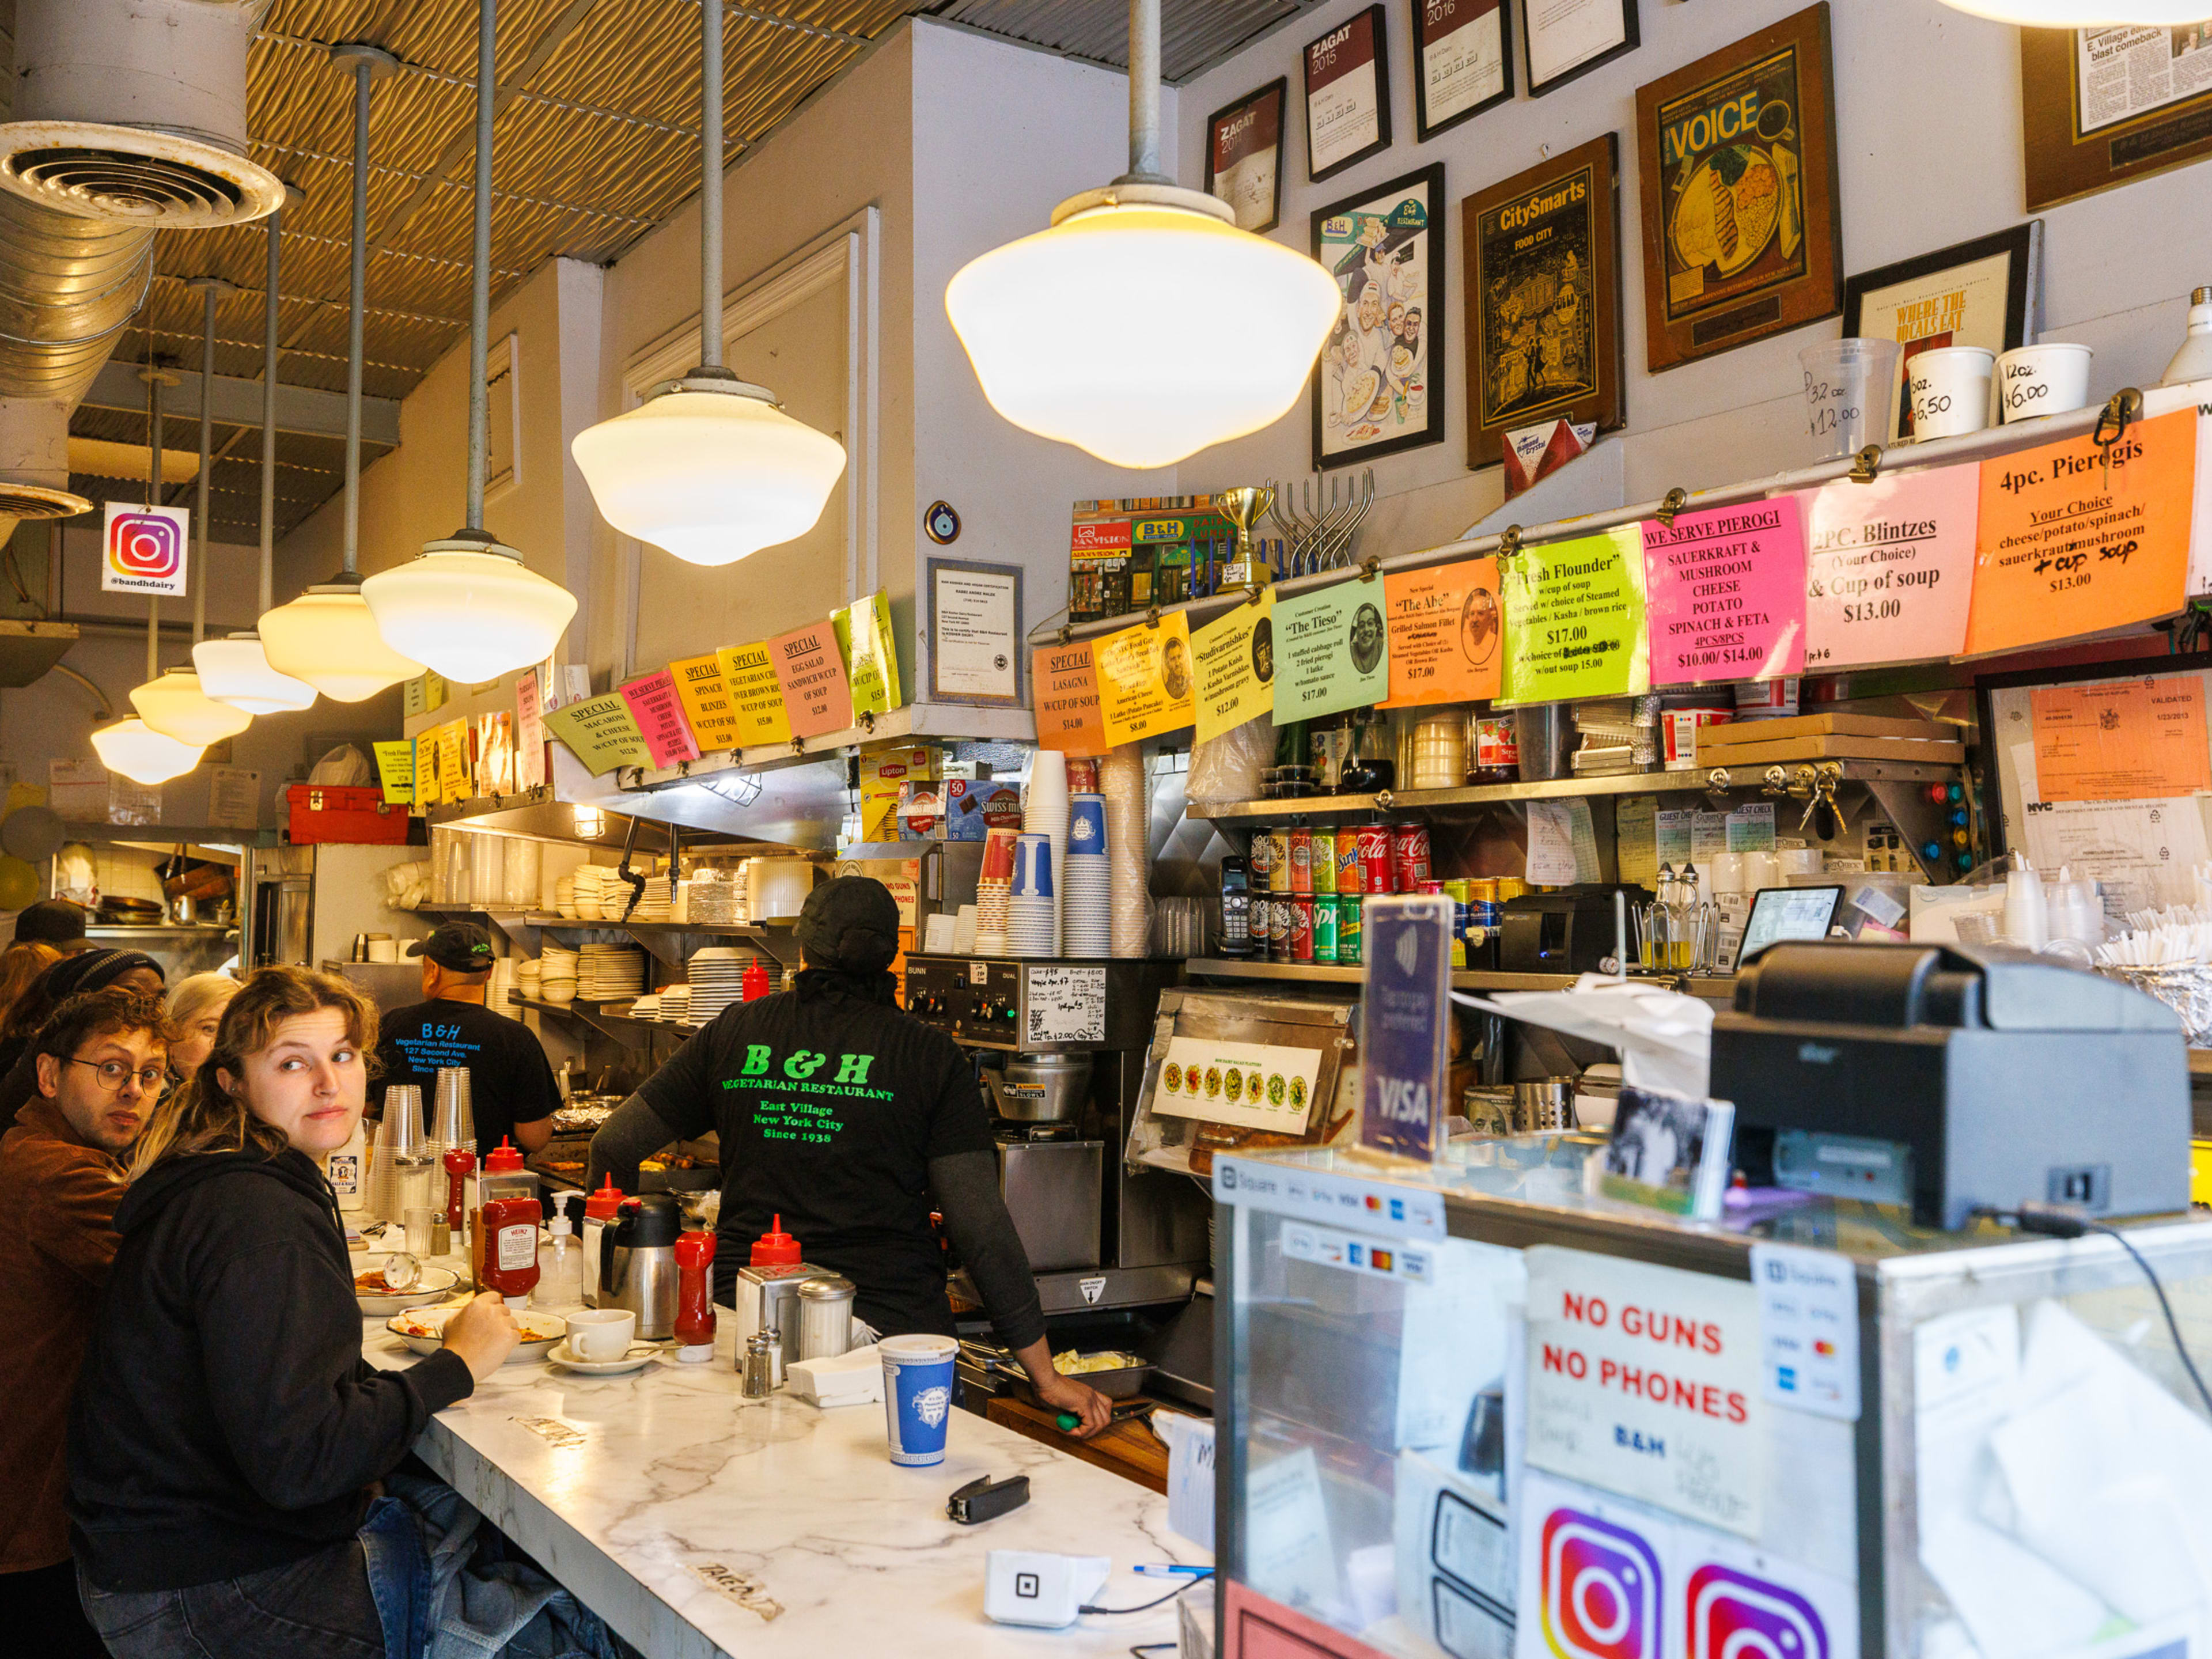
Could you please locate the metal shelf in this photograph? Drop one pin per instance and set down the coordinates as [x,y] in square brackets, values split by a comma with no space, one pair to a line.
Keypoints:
[621,1027]
[770,930]
[1463,979]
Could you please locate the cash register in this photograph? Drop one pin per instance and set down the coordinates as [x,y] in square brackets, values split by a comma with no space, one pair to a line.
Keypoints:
[1950,1077]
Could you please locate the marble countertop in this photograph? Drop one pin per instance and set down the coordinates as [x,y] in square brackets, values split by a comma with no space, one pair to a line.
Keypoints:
[697,1522]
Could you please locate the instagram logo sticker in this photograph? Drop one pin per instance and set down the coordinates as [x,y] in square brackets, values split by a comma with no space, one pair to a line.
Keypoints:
[1734,1615]
[1599,1590]
[145,550]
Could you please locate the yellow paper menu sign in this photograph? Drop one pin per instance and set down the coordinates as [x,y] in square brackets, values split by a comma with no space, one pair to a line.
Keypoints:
[601,733]
[1145,680]
[755,694]
[395,770]
[707,701]
[454,760]
[864,636]
[426,771]
[1574,620]
[1235,659]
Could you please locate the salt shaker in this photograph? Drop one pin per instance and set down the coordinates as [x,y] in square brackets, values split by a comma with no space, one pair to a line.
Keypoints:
[760,1367]
[773,1337]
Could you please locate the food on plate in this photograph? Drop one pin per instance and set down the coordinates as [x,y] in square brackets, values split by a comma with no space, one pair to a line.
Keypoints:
[429,1323]
[1071,1364]
[374,1284]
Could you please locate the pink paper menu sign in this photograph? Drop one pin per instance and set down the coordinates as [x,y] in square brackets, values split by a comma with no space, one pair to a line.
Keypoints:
[812,674]
[1725,593]
[659,712]
[1889,567]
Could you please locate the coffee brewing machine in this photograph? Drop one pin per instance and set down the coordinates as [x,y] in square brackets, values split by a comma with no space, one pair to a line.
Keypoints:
[1059,1048]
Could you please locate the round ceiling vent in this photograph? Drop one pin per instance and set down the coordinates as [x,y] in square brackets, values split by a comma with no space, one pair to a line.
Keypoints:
[133,175]
[28,500]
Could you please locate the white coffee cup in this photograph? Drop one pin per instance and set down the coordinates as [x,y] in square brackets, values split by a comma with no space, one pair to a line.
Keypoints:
[1949,390]
[1760,871]
[1727,872]
[1800,861]
[598,1333]
[2042,379]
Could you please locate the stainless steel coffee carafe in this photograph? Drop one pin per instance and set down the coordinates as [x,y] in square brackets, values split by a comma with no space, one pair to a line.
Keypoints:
[637,1262]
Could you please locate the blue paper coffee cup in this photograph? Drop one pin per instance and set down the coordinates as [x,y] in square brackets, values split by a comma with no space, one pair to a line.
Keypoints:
[918,1386]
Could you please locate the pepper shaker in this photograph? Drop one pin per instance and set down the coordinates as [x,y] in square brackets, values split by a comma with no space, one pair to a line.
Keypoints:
[759,1368]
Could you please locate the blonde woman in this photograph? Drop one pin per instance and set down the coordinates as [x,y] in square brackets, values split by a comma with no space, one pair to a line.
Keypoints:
[195,1013]
[227,1437]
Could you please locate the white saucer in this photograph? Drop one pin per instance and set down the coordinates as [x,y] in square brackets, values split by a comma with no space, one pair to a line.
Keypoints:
[641,1355]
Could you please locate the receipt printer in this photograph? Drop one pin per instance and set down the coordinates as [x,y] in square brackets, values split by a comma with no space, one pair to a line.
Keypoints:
[1945,1077]
[1570,930]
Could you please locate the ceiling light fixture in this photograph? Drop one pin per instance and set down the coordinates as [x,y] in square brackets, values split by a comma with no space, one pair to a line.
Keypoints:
[469,608]
[176,705]
[1143,327]
[327,637]
[235,670]
[2083,13]
[708,467]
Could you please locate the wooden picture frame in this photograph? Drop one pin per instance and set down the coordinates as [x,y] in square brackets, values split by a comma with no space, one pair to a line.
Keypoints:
[1980,293]
[1737,164]
[1376,387]
[1553,63]
[2083,130]
[1543,299]
[1348,88]
[1244,155]
[1462,61]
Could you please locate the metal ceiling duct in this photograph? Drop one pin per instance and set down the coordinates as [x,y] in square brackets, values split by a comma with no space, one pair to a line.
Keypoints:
[134,110]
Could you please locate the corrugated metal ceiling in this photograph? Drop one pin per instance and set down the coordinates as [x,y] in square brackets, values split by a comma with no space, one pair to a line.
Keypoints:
[1194,34]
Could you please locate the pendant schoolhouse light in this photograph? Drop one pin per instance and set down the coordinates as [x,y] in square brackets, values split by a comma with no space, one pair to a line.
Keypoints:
[327,637]
[469,608]
[2083,13]
[708,467]
[1143,327]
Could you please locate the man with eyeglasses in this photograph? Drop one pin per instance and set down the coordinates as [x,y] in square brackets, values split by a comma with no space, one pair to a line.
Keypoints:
[102,1060]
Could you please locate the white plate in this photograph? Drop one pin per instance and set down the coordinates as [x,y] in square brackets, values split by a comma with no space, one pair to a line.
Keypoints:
[535,1318]
[641,1355]
[433,1285]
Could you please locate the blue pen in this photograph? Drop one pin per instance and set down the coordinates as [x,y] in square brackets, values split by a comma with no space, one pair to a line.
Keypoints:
[1168,1570]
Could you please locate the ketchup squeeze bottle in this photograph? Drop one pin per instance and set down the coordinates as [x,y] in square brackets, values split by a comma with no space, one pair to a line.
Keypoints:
[508,1221]
[694,1308]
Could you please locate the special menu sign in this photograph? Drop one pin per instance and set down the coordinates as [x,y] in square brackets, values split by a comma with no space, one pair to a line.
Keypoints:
[1447,633]
[1724,594]
[707,704]
[1574,620]
[817,697]
[1333,650]
[1064,683]
[755,694]
[1889,567]
[1144,679]
[658,711]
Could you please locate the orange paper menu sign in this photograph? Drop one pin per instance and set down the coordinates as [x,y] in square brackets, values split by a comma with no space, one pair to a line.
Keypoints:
[750,674]
[1144,679]
[2068,545]
[2130,740]
[811,672]
[1064,683]
[706,702]
[1446,629]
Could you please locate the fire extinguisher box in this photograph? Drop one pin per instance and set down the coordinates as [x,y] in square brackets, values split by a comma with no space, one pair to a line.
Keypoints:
[334,813]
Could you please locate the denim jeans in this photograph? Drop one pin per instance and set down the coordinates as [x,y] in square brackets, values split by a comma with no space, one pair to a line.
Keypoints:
[320,1604]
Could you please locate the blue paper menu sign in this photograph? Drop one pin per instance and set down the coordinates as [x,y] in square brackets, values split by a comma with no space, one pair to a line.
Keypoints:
[1405,1025]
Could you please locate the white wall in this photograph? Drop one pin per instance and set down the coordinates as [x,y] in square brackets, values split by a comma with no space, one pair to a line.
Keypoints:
[1929,140]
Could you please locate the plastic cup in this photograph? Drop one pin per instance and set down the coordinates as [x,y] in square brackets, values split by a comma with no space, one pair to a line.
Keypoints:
[2042,379]
[1851,390]
[1949,390]
[917,1396]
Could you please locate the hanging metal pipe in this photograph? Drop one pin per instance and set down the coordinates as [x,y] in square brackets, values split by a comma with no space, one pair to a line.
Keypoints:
[271,347]
[480,274]
[208,295]
[1144,92]
[356,299]
[154,379]
[710,186]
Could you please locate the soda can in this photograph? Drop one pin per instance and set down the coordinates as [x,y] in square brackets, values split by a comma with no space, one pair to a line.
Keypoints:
[1374,860]
[1301,850]
[1409,855]
[1324,863]
[1262,860]
[1460,891]
[1347,929]
[1279,930]
[1302,928]
[1278,861]
[1324,928]
[1347,860]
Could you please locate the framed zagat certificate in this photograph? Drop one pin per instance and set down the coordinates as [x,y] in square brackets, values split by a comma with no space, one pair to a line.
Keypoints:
[1347,95]
[1244,156]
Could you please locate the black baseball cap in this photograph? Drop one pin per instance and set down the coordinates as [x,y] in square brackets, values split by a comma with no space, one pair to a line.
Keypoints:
[462,947]
[850,922]
[50,921]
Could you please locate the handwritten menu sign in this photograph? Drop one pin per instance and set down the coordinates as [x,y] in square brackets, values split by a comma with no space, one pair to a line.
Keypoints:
[1065,1005]
[1574,620]
[1144,679]
[1725,593]
[2073,541]
[395,770]
[1235,658]
[1064,683]
[529,731]
[2129,740]
[816,696]
[1889,567]
[1447,633]
[659,712]
[864,636]
[708,705]
[755,694]
[601,733]
[1333,649]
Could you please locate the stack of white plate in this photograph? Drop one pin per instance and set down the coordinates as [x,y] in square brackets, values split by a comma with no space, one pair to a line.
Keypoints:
[717,978]
[1033,911]
[1086,927]
[608,973]
[1044,813]
[503,982]
[655,904]
[675,1003]
[646,1007]
[556,975]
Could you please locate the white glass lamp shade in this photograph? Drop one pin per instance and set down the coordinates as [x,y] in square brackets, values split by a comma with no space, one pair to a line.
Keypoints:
[470,611]
[1141,331]
[2084,14]
[176,707]
[329,637]
[141,754]
[709,470]
[236,671]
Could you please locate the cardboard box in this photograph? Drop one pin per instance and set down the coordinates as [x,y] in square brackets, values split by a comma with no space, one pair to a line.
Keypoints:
[971,808]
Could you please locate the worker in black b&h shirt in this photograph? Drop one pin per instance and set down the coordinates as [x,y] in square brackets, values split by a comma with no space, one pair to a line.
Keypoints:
[852,1120]
[511,1088]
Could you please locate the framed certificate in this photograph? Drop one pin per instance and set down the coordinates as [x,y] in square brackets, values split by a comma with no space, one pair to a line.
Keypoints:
[1244,156]
[1980,293]
[1462,61]
[1568,39]
[1348,95]
[1375,390]
[2105,106]
[975,633]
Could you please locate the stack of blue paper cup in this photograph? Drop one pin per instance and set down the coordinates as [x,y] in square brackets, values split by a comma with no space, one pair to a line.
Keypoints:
[918,1387]
[1033,912]
[1085,905]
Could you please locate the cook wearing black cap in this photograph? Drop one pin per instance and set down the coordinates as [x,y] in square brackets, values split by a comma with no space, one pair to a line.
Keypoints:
[511,1088]
[87,970]
[57,922]
[851,1122]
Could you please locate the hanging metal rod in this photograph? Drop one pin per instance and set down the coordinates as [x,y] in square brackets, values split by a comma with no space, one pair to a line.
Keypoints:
[480,259]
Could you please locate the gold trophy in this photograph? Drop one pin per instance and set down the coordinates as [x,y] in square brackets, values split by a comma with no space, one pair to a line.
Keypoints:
[1245,506]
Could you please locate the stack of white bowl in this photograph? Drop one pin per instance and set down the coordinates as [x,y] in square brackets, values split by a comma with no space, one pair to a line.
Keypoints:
[608,973]
[1086,911]
[529,979]
[591,890]
[717,978]
[564,895]
[1044,813]
[1033,912]
[556,975]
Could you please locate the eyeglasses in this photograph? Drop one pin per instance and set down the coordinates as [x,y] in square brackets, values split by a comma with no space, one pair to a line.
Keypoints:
[152,1080]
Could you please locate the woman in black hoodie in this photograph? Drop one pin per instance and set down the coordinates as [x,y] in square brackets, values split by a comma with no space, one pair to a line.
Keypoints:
[227,1433]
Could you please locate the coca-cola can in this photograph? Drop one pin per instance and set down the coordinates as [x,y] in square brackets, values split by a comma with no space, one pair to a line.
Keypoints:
[1301,850]
[1409,855]
[1374,859]
[1302,928]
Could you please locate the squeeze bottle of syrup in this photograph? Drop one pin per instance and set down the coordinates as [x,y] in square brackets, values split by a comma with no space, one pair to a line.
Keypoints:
[694,1308]
[508,1221]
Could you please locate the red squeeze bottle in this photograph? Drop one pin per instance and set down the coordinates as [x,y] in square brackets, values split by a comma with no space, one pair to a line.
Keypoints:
[694,1309]
[776,1248]
[460,1165]
[510,1220]
[756,983]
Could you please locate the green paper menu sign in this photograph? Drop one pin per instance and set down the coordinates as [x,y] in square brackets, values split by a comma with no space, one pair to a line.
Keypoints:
[811,672]
[1332,650]
[601,733]
[864,637]
[1574,620]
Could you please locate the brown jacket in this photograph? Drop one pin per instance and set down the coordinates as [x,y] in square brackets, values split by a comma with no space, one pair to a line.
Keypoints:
[57,1199]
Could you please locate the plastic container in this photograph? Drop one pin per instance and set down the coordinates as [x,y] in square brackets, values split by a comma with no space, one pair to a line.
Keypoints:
[599,1209]
[2042,379]
[756,983]
[460,1163]
[1949,389]
[1851,393]
[1545,741]
[694,1305]
[774,1247]
[505,1250]
[348,1171]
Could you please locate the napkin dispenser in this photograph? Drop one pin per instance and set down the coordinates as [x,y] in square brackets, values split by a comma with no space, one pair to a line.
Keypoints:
[1570,930]
[767,1298]
[1946,1077]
